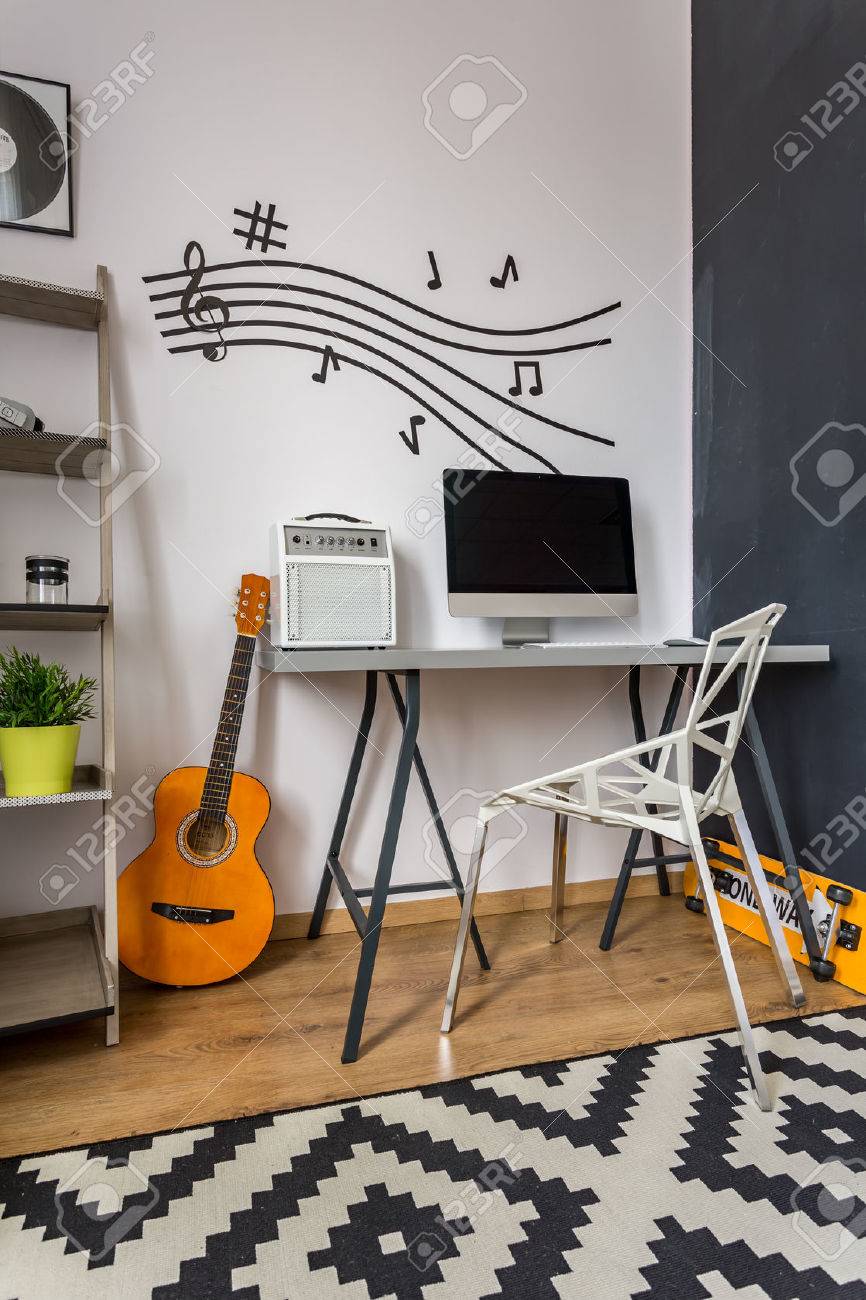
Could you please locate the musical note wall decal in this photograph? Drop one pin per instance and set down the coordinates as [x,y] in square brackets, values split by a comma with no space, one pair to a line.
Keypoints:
[510,268]
[535,387]
[210,313]
[436,282]
[328,359]
[268,224]
[206,300]
[411,439]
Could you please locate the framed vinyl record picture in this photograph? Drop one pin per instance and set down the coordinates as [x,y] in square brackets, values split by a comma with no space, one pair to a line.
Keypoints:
[35,154]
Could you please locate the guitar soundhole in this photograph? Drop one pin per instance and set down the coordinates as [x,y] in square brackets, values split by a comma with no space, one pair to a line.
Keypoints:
[205,841]
[207,838]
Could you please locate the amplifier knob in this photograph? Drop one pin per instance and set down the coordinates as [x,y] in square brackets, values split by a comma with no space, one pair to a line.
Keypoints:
[330,541]
[320,541]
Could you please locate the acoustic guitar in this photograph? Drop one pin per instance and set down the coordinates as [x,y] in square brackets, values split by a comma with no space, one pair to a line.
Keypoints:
[195,907]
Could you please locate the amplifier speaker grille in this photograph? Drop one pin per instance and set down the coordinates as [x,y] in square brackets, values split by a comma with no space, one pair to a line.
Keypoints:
[339,602]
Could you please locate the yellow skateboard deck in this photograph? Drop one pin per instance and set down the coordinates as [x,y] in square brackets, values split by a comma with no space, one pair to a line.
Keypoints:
[738,908]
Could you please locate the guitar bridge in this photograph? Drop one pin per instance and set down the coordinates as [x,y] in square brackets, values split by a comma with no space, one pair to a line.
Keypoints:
[192,915]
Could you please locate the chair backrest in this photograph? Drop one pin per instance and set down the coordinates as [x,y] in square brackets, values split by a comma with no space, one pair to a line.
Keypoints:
[719,733]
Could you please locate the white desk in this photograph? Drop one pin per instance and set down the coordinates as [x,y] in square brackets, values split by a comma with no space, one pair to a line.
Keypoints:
[602,656]
[409,663]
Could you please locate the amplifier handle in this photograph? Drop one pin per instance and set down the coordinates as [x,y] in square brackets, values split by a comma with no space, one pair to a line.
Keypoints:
[331,514]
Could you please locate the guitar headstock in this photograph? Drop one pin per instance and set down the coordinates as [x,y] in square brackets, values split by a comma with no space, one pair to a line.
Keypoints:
[253,597]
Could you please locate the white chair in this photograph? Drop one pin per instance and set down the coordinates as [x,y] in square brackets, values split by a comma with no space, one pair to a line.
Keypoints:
[651,787]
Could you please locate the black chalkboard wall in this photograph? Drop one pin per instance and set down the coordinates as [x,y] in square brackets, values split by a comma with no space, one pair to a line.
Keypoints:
[780,300]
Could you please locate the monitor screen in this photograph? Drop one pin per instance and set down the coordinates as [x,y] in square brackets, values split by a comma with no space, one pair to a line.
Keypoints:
[537,533]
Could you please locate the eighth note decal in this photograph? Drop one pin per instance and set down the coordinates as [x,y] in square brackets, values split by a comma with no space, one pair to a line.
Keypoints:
[535,388]
[329,358]
[353,323]
[510,268]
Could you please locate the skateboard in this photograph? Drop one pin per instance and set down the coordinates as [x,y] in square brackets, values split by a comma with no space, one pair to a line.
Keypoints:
[838,912]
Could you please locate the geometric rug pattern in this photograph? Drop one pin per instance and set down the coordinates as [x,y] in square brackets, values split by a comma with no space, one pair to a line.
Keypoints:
[643,1173]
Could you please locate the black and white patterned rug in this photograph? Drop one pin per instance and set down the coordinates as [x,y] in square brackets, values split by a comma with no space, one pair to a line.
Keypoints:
[648,1173]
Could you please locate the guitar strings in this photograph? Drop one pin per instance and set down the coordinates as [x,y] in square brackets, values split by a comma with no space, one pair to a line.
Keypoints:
[217,786]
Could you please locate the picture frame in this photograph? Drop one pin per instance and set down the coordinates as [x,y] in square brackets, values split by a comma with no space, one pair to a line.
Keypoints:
[35,155]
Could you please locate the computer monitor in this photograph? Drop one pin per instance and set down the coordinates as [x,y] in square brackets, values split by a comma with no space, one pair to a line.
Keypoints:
[525,547]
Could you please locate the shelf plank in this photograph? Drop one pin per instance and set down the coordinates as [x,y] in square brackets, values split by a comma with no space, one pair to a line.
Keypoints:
[88,782]
[52,618]
[51,971]
[36,300]
[47,453]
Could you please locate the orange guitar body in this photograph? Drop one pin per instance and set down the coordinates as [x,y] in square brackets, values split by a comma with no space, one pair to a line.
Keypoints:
[187,951]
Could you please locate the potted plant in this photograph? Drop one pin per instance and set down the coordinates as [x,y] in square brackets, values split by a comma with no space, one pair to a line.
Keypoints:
[41,708]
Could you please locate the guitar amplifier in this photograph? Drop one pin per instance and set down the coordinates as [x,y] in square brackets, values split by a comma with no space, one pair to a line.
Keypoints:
[332,584]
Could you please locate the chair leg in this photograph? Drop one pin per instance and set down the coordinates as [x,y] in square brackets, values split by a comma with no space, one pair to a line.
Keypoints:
[723,948]
[769,915]
[469,893]
[557,886]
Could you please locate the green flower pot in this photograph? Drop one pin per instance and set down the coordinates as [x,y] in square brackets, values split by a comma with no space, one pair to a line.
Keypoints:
[38,760]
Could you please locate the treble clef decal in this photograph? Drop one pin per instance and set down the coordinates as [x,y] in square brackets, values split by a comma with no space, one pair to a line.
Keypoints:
[209,313]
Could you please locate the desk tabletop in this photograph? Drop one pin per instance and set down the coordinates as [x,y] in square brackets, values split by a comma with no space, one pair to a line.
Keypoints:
[587,656]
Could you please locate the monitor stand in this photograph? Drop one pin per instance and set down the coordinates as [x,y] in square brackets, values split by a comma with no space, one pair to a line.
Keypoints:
[517,631]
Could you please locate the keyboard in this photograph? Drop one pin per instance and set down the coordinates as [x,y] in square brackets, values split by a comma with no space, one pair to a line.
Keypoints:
[579,645]
[690,643]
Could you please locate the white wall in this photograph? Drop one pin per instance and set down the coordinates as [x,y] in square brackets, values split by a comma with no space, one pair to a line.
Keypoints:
[318,109]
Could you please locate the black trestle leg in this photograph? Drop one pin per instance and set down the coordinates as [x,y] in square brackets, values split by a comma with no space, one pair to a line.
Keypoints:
[436,816]
[376,911]
[619,892]
[345,807]
[369,925]
[819,966]
[673,703]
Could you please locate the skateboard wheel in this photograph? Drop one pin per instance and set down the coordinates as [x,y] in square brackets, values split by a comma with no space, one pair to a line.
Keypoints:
[822,969]
[694,904]
[839,894]
[724,881]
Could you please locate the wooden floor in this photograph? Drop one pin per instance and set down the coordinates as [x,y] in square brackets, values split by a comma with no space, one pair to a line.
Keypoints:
[273,1041]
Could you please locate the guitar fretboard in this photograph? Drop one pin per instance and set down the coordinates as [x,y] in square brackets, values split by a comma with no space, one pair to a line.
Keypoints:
[222,763]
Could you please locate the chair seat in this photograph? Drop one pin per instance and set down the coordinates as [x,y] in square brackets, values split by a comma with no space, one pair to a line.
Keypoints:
[609,814]
[622,789]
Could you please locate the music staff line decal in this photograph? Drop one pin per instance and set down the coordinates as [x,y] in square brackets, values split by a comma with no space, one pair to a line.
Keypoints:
[207,310]
[282,264]
[276,287]
[194,325]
